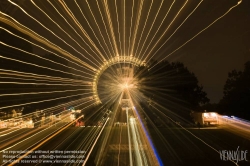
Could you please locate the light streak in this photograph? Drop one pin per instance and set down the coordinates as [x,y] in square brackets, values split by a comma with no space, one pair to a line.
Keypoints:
[40,77]
[32,83]
[27,138]
[38,101]
[50,31]
[75,102]
[117,20]
[129,141]
[149,139]
[135,140]
[76,82]
[105,4]
[105,29]
[63,30]
[82,30]
[35,64]
[152,26]
[189,132]
[175,30]
[165,30]
[45,50]
[143,26]
[72,27]
[15,24]
[239,2]
[119,151]
[124,27]
[97,26]
[156,158]
[87,157]
[136,26]
[43,142]
[131,20]
[36,93]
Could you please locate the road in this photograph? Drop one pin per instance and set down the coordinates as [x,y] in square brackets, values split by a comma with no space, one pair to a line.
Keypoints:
[175,145]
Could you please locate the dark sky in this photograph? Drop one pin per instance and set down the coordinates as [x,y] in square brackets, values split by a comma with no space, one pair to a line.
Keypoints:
[221,48]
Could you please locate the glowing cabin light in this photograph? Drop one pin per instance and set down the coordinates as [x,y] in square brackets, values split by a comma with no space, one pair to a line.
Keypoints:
[213,114]
[124,86]
[205,115]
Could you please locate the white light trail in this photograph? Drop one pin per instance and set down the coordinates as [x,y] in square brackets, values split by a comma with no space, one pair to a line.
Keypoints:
[129,140]
[87,157]
[41,143]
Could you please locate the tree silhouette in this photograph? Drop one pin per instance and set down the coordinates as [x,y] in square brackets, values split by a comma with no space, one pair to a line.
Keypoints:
[236,97]
[172,85]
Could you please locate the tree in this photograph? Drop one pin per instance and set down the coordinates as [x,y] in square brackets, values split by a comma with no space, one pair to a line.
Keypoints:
[236,97]
[172,85]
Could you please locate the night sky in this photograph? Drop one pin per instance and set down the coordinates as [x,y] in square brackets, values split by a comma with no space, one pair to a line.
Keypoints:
[211,55]
[223,47]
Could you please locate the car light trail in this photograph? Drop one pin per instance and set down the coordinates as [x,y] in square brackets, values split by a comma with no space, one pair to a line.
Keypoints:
[149,140]
[191,133]
[95,142]
[40,144]
[129,141]
[135,140]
